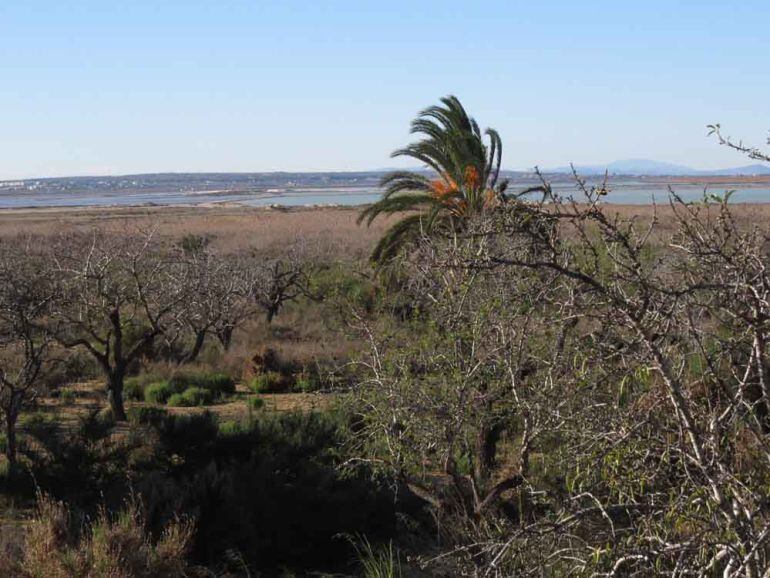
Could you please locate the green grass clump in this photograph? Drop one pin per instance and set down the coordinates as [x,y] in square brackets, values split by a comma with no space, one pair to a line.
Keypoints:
[36,419]
[267,382]
[67,395]
[146,415]
[256,402]
[306,382]
[159,392]
[231,427]
[218,384]
[133,390]
[188,389]
[380,562]
[192,397]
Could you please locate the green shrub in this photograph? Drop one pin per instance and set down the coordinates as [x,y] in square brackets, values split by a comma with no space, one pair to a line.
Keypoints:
[146,415]
[75,366]
[231,427]
[96,424]
[191,397]
[208,387]
[306,382]
[341,282]
[192,243]
[267,382]
[159,392]
[133,388]
[67,395]
[218,384]
[38,424]
[273,489]
[256,402]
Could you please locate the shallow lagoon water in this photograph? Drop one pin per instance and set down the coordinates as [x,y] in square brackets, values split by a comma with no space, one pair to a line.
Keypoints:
[624,192]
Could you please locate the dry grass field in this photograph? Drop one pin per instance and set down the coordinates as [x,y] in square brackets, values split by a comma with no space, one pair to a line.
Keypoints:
[231,228]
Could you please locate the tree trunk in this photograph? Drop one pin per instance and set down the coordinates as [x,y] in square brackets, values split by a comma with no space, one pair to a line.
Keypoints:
[115,395]
[200,338]
[486,451]
[225,336]
[761,392]
[10,434]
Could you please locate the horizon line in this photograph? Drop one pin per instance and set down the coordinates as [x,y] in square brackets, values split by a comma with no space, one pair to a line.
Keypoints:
[548,170]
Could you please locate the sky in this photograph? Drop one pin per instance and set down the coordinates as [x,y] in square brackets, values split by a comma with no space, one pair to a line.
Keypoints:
[135,86]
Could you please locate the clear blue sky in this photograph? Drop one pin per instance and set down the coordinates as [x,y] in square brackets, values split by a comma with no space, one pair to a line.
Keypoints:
[108,87]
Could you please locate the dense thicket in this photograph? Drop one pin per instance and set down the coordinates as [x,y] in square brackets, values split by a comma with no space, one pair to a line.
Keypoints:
[583,394]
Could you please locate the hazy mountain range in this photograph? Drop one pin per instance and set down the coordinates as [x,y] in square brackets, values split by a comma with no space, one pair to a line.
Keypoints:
[649,167]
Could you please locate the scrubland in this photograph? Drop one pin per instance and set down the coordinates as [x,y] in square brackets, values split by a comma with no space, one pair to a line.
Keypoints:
[556,389]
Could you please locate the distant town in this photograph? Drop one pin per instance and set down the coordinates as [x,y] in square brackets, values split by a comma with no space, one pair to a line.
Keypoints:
[646,170]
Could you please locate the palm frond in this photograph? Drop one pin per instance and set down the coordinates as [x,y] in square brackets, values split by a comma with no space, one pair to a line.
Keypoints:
[397,204]
[395,238]
[466,162]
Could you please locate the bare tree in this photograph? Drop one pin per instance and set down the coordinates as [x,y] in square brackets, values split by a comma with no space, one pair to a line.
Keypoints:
[27,295]
[280,280]
[119,295]
[220,296]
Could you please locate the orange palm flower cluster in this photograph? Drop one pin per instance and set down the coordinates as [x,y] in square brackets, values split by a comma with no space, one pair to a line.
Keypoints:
[471,177]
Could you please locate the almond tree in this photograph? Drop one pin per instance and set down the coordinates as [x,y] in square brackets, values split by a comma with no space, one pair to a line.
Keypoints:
[278,281]
[27,296]
[119,295]
[220,297]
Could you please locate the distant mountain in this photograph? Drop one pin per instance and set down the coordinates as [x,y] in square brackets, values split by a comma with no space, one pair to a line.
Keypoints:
[747,170]
[649,167]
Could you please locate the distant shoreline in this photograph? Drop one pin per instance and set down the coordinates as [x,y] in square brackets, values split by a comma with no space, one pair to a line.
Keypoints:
[342,191]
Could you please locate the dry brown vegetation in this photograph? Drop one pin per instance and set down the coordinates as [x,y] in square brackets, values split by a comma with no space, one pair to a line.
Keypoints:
[230,229]
[514,382]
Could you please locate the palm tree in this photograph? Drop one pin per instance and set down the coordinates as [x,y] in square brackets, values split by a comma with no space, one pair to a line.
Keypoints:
[465,179]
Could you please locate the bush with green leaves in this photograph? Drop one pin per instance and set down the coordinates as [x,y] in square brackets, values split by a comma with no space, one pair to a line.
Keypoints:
[270,488]
[192,397]
[231,427]
[160,392]
[306,382]
[218,384]
[207,388]
[267,382]
[341,283]
[67,395]
[133,388]
[256,402]
[146,415]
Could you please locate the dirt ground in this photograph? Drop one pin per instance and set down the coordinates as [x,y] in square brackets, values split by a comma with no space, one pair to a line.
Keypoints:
[91,396]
